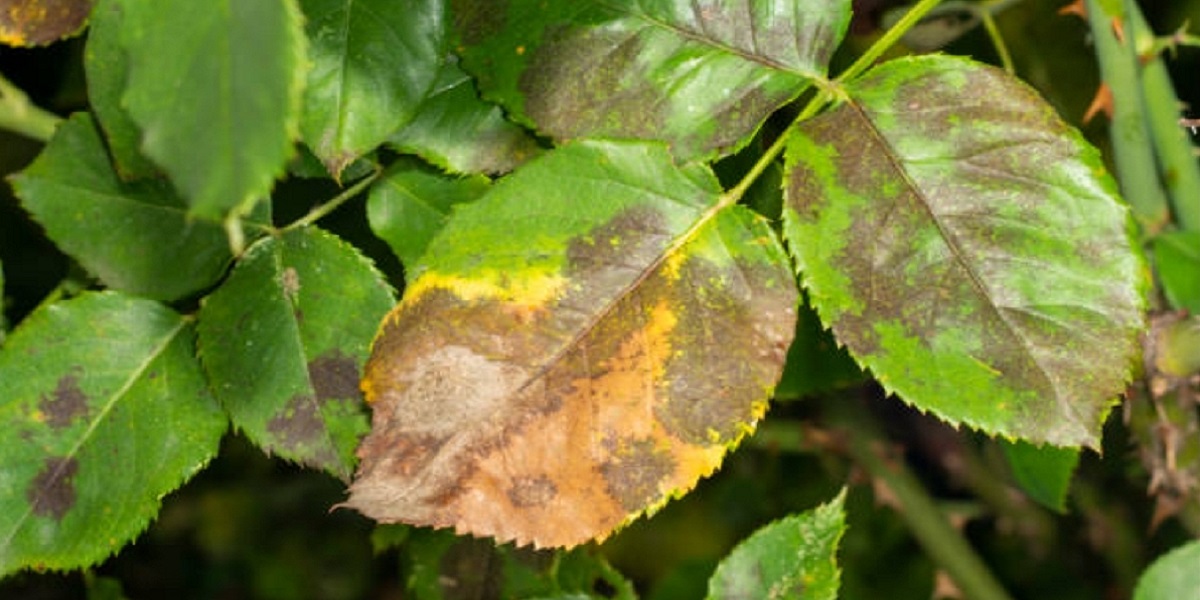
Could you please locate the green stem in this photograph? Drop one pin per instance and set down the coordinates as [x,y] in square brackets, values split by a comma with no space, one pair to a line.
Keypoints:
[19,115]
[1133,150]
[989,24]
[888,39]
[321,210]
[941,541]
[1177,166]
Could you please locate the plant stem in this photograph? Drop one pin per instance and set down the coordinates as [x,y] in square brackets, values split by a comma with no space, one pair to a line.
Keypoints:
[944,544]
[321,210]
[989,24]
[888,39]
[19,115]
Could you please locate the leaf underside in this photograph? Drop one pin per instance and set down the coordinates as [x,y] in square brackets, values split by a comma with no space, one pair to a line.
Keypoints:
[702,76]
[617,337]
[968,247]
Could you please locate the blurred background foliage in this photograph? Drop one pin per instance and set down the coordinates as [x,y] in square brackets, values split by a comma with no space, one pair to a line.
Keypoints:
[253,527]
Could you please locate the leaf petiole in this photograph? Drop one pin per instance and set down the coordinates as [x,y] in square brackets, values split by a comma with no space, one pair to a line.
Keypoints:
[321,210]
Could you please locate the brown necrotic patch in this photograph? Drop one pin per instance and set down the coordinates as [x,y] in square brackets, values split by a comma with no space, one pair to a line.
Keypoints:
[300,428]
[334,376]
[52,492]
[65,404]
[635,471]
[531,491]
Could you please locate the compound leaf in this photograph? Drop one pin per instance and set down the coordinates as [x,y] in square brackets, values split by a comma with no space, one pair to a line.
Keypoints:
[794,558]
[215,87]
[135,237]
[283,340]
[372,63]
[108,411]
[620,333]
[701,75]
[969,248]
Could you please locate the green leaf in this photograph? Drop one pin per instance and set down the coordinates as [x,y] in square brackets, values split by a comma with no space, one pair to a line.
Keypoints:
[457,131]
[1043,472]
[283,340]
[622,330]
[107,68]
[443,566]
[372,63]
[793,558]
[409,205]
[968,247]
[136,237]
[111,411]
[1173,576]
[701,77]
[1177,256]
[215,87]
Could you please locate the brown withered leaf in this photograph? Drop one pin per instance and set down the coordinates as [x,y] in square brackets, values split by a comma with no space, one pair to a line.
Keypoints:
[580,345]
[40,22]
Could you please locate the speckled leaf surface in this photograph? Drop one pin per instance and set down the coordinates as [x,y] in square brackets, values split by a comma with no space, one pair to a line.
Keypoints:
[969,248]
[371,63]
[216,89]
[794,558]
[701,75]
[108,411]
[579,345]
[41,22]
[283,341]
[136,237]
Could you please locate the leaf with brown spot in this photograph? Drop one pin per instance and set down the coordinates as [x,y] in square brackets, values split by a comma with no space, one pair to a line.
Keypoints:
[701,75]
[40,22]
[578,346]
[969,248]
[111,410]
[282,340]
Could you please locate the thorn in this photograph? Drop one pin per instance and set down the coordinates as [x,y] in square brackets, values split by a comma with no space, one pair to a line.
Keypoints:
[1118,29]
[1102,102]
[1075,8]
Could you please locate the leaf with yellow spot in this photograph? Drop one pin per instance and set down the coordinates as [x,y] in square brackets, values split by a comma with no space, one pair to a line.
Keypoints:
[41,22]
[579,345]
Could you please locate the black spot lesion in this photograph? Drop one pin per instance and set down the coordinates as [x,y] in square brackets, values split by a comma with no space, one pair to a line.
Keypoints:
[66,403]
[334,376]
[52,492]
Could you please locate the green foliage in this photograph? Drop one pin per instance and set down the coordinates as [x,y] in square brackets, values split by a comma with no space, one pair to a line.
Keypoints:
[618,226]
[1174,575]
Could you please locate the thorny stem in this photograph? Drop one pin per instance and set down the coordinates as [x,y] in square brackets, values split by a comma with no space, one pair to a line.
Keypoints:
[19,115]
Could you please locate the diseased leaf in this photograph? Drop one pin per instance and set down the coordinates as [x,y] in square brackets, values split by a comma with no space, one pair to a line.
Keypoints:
[107,67]
[794,558]
[136,237]
[702,76]
[968,247]
[457,131]
[215,87]
[1043,472]
[40,22]
[621,332]
[1173,576]
[283,340]
[108,410]
[409,205]
[371,64]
